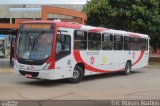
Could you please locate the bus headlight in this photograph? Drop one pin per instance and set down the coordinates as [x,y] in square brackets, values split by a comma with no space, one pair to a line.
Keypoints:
[46,67]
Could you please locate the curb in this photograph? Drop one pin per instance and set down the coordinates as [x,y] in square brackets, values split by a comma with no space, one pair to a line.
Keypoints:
[152,66]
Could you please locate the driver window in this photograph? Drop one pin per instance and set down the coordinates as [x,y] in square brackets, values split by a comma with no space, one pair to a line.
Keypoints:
[63,46]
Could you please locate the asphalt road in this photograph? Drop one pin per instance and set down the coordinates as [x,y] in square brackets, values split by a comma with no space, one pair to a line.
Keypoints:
[140,84]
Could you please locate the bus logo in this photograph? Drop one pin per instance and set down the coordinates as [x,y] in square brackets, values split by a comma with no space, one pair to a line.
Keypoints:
[104,59]
[30,67]
[92,59]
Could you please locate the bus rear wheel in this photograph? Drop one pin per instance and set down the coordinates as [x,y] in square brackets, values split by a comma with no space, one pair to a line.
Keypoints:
[77,75]
[127,68]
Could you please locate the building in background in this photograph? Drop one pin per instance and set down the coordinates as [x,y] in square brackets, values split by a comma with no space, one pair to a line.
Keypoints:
[11,15]
[4,45]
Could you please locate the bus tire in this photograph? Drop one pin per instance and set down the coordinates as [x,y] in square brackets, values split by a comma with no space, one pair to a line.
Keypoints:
[127,68]
[77,75]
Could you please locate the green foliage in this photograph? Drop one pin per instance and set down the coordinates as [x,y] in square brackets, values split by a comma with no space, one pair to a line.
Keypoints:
[142,16]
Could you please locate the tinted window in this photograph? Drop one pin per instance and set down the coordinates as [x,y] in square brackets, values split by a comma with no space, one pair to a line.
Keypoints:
[135,44]
[94,41]
[63,46]
[127,42]
[143,44]
[118,42]
[80,40]
[107,42]
[147,44]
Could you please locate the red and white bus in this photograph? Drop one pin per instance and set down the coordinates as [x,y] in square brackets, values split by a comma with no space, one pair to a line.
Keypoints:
[57,50]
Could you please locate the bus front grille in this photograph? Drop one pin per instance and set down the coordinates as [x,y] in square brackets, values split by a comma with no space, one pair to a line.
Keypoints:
[34,74]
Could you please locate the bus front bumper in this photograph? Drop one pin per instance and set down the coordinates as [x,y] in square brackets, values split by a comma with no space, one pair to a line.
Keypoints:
[38,74]
[44,74]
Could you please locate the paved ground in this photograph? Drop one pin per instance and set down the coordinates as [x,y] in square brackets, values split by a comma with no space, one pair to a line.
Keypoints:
[5,66]
[140,84]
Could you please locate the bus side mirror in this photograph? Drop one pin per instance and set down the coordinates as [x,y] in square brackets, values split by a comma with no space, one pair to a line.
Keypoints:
[59,32]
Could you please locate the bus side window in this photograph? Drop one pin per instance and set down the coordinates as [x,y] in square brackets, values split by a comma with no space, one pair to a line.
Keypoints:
[107,42]
[63,46]
[94,41]
[147,41]
[118,42]
[135,44]
[127,42]
[80,40]
[143,44]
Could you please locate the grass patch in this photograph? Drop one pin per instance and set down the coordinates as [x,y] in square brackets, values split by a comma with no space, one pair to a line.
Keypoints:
[154,63]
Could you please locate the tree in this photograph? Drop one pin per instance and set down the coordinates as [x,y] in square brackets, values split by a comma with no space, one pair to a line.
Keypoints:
[142,16]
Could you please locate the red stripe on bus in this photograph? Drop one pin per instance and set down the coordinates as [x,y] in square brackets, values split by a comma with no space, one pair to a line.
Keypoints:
[140,57]
[134,35]
[97,30]
[88,67]
[78,59]
[68,25]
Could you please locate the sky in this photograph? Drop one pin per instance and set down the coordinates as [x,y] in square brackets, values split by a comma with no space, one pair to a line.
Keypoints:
[11,2]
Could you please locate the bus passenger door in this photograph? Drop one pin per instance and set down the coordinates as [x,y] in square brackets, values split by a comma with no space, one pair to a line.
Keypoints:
[119,54]
[63,55]
[107,52]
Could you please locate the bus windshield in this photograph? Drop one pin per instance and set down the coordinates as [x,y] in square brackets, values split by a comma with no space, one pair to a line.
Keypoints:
[34,45]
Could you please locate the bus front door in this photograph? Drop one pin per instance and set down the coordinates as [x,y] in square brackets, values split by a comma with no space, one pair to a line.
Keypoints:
[63,55]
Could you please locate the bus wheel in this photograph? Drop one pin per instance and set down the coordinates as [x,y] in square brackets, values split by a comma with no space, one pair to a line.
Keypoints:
[127,68]
[77,75]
